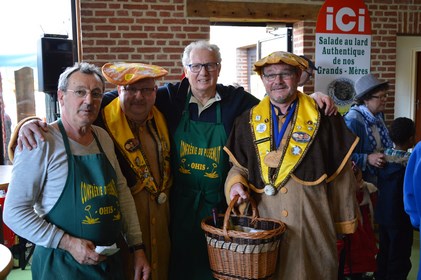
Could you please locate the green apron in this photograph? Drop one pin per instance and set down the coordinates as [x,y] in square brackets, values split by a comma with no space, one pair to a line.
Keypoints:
[200,168]
[87,208]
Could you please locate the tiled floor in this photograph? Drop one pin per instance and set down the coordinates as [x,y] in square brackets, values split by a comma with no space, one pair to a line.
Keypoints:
[18,274]
[415,256]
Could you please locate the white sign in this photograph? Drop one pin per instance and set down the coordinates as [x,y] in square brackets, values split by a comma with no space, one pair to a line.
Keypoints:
[343,49]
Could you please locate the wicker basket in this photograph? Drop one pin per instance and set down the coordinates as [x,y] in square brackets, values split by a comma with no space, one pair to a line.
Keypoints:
[235,254]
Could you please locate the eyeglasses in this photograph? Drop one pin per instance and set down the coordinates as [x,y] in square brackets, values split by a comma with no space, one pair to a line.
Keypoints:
[82,93]
[384,96]
[283,76]
[197,67]
[310,74]
[146,92]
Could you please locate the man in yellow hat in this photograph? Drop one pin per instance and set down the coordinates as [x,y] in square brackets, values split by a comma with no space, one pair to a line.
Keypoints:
[295,162]
[142,146]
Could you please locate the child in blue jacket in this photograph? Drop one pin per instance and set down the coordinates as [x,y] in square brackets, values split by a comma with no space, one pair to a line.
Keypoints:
[395,229]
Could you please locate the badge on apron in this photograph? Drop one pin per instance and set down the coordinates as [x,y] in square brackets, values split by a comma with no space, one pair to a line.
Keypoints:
[132,145]
[296,150]
[261,127]
[301,137]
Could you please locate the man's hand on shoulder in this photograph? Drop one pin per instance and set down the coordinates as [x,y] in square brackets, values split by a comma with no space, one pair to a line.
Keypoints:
[28,130]
[326,102]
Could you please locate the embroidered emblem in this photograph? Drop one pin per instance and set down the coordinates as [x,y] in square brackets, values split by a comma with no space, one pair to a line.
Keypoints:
[261,127]
[183,168]
[213,174]
[296,150]
[301,137]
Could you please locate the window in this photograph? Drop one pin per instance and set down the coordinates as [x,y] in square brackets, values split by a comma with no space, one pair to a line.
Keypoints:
[20,36]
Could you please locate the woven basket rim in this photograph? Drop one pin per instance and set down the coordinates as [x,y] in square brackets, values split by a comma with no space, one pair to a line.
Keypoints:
[265,234]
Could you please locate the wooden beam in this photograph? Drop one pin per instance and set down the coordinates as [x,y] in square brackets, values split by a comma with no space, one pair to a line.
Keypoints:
[252,11]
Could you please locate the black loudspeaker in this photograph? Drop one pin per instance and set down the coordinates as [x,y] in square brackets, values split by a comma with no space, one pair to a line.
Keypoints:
[54,56]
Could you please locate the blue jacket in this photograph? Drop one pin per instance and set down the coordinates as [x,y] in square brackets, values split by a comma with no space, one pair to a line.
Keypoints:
[412,189]
[412,186]
[389,207]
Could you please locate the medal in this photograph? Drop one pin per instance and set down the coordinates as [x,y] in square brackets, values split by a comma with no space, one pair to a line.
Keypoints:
[270,190]
[162,197]
[272,159]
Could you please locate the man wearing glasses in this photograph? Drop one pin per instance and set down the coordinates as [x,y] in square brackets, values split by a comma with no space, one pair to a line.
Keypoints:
[142,146]
[69,196]
[200,114]
[295,162]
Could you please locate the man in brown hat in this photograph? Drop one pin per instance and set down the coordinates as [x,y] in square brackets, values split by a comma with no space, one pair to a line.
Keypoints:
[301,173]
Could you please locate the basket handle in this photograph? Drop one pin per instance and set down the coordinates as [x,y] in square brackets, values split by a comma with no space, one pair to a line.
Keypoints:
[255,214]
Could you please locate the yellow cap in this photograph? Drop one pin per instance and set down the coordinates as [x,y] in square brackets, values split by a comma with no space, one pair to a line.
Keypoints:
[280,57]
[123,73]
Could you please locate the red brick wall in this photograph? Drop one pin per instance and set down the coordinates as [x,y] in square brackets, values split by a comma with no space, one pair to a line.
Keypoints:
[156,31]
[242,69]
[151,31]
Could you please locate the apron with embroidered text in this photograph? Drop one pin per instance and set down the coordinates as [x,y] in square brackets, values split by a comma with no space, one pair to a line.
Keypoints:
[199,173]
[87,208]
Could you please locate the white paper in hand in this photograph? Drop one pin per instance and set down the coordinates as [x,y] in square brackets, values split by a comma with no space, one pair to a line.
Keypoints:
[107,250]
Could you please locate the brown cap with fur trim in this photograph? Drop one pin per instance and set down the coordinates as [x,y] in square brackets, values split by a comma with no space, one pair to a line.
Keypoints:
[280,57]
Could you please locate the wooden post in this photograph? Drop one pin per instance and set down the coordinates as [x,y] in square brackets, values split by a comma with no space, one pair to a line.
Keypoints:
[25,99]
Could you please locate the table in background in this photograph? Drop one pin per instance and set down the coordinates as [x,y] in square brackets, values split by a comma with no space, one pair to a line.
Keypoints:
[6,261]
[5,175]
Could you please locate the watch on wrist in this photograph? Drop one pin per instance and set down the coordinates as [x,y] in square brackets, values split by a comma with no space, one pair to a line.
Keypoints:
[136,247]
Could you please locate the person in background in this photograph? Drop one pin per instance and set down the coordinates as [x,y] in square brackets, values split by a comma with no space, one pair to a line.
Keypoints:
[142,145]
[200,114]
[295,162]
[411,191]
[74,168]
[366,120]
[360,247]
[395,230]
